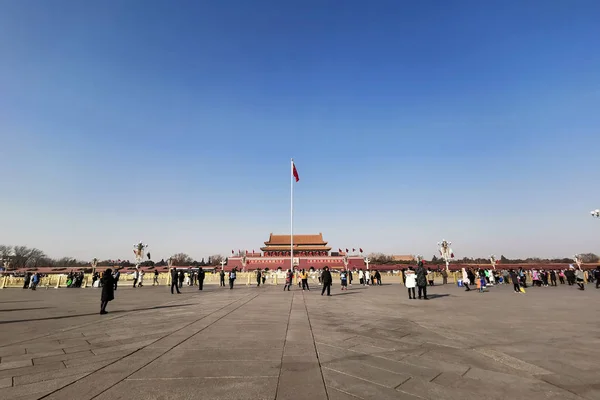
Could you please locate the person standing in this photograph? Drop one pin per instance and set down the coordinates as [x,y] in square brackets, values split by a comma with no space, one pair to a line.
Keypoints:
[515,280]
[27,280]
[264,277]
[116,276]
[350,277]
[232,276]
[344,279]
[304,276]
[201,276]
[410,281]
[289,276]
[222,277]
[174,280]
[108,290]
[361,277]
[181,277]
[444,276]
[367,277]
[258,276]
[378,277]
[327,280]
[155,281]
[422,280]
[553,278]
[597,276]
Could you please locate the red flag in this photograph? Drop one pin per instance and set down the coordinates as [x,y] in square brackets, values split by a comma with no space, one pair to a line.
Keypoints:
[451,255]
[340,250]
[295,172]
[346,250]
[360,250]
[232,252]
[353,250]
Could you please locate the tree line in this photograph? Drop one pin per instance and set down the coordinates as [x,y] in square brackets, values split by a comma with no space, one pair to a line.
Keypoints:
[380,258]
[31,257]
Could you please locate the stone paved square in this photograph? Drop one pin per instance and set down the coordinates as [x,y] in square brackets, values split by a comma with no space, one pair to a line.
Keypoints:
[263,343]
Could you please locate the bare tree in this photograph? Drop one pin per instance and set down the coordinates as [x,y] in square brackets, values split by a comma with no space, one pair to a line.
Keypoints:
[5,251]
[216,259]
[25,257]
[181,260]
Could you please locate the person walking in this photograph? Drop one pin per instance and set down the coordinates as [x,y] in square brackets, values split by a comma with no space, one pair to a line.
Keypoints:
[422,280]
[410,281]
[108,290]
[597,276]
[580,277]
[155,281]
[327,280]
[181,277]
[466,280]
[141,278]
[135,277]
[361,277]
[174,280]
[232,276]
[258,276]
[201,276]
[35,280]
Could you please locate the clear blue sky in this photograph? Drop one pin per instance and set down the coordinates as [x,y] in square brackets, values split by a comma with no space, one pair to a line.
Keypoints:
[410,121]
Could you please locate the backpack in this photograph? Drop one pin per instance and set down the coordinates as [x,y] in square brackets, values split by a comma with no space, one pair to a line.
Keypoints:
[232,275]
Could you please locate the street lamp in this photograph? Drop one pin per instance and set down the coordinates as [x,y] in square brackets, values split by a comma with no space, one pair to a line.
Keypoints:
[493,261]
[446,252]
[94,265]
[578,260]
[138,250]
[595,213]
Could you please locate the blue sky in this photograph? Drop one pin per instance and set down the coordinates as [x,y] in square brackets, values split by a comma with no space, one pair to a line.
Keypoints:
[410,121]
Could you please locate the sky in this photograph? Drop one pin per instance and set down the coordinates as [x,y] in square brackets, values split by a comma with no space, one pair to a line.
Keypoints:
[409,122]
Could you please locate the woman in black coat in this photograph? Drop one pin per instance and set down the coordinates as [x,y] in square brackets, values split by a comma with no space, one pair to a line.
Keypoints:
[108,290]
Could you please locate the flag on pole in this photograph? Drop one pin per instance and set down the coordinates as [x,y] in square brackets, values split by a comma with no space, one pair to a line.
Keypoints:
[340,250]
[347,251]
[360,250]
[353,249]
[295,172]
[232,252]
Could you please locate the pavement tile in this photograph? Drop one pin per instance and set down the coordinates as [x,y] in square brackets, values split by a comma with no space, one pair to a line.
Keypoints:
[31,356]
[35,388]
[6,382]
[192,388]
[15,364]
[62,357]
[31,369]
[362,388]
[60,373]
[170,369]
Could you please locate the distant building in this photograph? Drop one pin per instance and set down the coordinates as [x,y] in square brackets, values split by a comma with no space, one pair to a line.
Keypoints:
[403,258]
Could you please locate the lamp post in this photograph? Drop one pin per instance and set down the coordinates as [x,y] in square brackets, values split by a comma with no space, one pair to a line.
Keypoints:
[138,250]
[595,213]
[446,252]
[94,265]
[6,263]
[223,265]
[578,260]
[493,261]
[367,261]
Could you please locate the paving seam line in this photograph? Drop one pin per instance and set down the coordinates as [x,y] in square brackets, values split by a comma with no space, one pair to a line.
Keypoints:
[315,346]
[183,327]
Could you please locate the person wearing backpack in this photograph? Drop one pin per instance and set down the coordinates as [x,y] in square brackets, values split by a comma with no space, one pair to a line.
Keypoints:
[232,276]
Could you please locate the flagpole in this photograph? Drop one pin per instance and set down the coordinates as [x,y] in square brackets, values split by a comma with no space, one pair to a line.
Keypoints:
[292,214]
